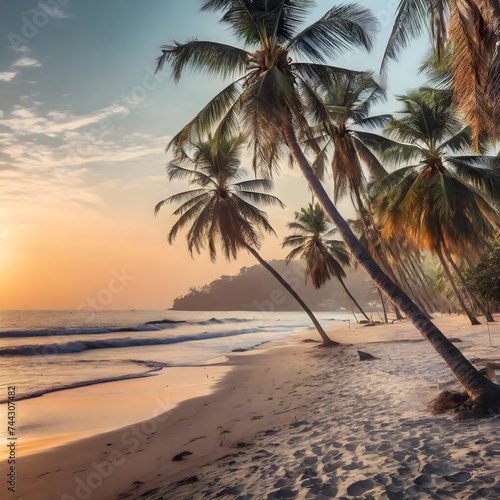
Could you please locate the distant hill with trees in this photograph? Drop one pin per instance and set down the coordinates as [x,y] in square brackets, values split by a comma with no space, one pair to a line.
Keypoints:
[253,288]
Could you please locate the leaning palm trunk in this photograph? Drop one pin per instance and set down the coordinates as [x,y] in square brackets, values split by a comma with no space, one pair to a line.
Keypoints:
[352,298]
[326,340]
[376,247]
[483,393]
[473,320]
[467,288]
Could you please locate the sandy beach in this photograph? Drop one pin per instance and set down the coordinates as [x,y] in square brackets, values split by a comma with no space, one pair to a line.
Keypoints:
[289,420]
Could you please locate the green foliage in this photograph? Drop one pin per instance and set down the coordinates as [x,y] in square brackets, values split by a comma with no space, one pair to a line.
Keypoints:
[484,278]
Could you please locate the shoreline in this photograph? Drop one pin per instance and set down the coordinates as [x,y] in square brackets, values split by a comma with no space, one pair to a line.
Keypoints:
[262,396]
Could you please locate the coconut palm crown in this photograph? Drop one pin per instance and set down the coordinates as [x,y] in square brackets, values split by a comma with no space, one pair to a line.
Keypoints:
[311,242]
[447,196]
[267,82]
[219,209]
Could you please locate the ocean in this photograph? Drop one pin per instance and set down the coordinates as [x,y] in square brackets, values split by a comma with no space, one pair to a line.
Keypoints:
[47,351]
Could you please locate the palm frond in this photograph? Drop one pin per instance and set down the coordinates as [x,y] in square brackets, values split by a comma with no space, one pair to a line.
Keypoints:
[261,198]
[184,220]
[265,185]
[316,74]
[390,151]
[176,172]
[393,180]
[186,198]
[222,107]
[411,19]
[246,210]
[212,58]
[293,240]
[378,121]
[340,29]
[375,168]
[476,172]
[458,142]
[294,253]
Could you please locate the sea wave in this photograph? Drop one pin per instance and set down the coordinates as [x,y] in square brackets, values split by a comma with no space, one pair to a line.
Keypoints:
[153,367]
[150,326]
[85,345]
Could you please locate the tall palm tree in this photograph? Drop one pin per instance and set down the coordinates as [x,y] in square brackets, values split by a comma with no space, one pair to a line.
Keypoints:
[271,97]
[472,30]
[349,100]
[324,258]
[220,209]
[440,202]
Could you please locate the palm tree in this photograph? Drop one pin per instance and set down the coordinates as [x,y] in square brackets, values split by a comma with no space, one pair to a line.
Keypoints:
[472,30]
[220,210]
[440,201]
[271,97]
[324,258]
[349,100]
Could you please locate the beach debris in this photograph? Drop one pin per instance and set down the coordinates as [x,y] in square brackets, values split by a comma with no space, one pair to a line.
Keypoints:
[448,400]
[299,423]
[365,356]
[189,480]
[489,372]
[180,456]
[242,444]
[196,439]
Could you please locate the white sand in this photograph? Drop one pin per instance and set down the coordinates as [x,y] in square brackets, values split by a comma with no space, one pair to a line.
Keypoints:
[294,421]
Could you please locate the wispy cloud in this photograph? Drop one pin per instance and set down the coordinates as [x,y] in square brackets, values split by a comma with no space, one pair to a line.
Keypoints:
[26,62]
[7,76]
[55,160]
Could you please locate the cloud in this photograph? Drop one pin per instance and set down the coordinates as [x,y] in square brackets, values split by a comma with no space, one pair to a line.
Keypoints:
[7,76]
[26,62]
[75,122]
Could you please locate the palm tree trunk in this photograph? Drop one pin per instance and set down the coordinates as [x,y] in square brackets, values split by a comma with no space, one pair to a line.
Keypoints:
[352,298]
[467,288]
[376,246]
[382,301]
[326,340]
[484,393]
[419,275]
[463,305]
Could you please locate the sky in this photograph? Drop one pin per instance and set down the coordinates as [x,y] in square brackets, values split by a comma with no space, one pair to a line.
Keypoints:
[84,122]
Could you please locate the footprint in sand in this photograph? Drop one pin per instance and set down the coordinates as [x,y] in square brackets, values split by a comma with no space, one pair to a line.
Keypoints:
[360,487]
